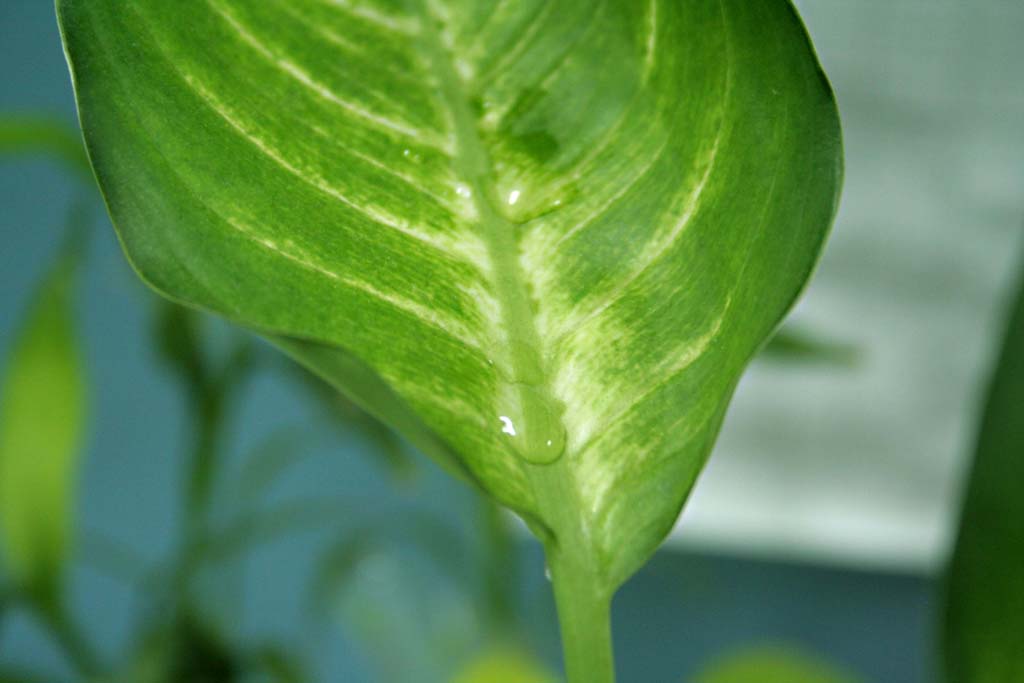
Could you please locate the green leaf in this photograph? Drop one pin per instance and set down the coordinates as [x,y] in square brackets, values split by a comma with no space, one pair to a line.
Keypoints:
[541,239]
[42,419]
[984,620]
[506,664]
[773,664]
[43,134]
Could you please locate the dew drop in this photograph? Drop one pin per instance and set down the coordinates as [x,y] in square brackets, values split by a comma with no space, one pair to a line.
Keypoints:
[513,197]
[463,191]
[507,426]
[532,425]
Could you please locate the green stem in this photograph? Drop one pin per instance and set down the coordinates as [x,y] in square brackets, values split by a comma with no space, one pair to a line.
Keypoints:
[582,595]
[584,615]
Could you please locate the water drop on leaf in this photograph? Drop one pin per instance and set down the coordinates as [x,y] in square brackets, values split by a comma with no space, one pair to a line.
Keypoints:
[532,426]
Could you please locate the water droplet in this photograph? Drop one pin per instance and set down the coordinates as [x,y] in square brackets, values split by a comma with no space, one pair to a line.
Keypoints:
[463,191]
[508,427]
[513,197]
[532,425]
[406,152]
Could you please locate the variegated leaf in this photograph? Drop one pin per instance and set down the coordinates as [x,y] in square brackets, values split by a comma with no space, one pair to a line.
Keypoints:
[542,238]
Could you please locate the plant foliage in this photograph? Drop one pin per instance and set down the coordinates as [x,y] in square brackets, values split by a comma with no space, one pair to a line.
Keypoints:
[984,621]
[42,421]
[541,239]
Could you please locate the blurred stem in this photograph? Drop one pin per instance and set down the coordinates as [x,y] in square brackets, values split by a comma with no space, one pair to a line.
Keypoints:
[210,396]
[584,614]
[68,636]
[208,414]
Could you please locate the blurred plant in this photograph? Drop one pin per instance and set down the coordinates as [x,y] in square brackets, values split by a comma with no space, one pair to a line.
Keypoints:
[505,664]
[42,424]
[184,645]
[773,664]
[794,343]
[983,627]
[39,134]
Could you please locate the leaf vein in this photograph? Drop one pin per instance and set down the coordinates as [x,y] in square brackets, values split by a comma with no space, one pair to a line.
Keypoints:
[313,180]
[298,74]
[428,316]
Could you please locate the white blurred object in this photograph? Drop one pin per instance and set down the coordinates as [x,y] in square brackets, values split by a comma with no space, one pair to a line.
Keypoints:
[863,466]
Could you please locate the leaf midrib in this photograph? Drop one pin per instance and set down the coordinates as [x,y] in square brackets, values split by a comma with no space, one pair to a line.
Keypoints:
[553,484]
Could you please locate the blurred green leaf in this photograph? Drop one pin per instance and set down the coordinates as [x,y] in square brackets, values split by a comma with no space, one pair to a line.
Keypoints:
[201,655]
[8,597]
[506,664]
[279,665]
[113,557]
[178,342]
[773,664]
[432,537]
[42,419]
[793,344]
[45,135]
[344,414]
[984,627]
[499,560]
[272,457]
[413,623]
[265,526]
[185,649]
[20,676]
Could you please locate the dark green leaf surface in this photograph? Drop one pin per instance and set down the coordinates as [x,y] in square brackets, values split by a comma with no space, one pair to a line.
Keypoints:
[540,239]
[42,419]
[984,628]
